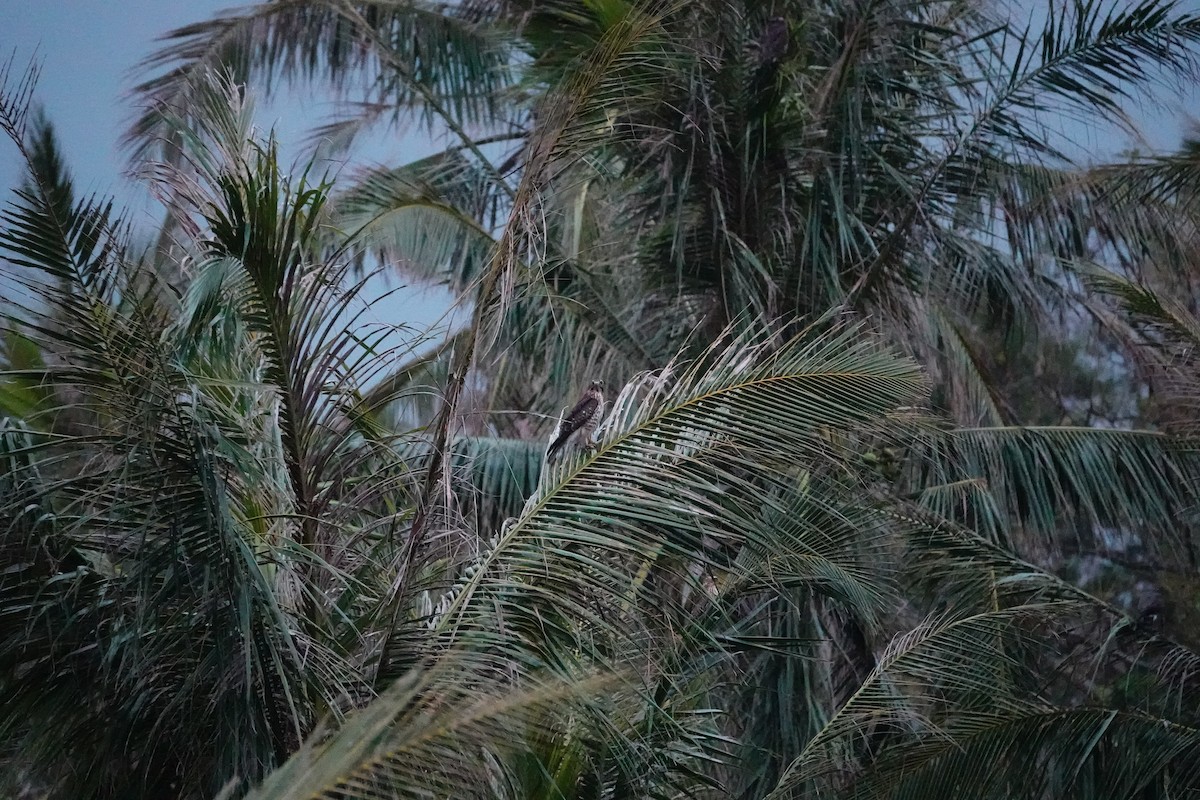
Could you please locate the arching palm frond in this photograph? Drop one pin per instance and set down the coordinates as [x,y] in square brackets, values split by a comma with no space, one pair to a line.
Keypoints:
[614,549]
[940,720]
[1084,483]
[430,219]
[410,55]
[444,731]
[748,422]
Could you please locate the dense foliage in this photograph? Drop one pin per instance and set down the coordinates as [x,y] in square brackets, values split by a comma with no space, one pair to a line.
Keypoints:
[896,491]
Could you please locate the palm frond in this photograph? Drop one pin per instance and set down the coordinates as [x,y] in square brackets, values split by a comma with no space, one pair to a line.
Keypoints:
[1166,336]
[669,443]
[427,218]
[164,594]
[410,55]
[443,731]
[1110,488]
[935,722]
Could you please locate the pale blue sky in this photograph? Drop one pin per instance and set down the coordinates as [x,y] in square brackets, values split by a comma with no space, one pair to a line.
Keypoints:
[89,51]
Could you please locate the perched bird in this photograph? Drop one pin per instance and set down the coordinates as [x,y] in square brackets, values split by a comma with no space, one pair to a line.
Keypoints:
[581,421]
[772,44]
[768,51]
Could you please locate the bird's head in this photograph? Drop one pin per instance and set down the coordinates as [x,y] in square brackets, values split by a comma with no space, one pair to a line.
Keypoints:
[597,385]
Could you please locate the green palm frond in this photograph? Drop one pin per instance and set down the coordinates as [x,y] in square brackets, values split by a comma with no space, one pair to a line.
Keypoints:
[427,218]
[968,395]
[1085,483]
[410,55]
[1093,53]
[209,527]
[1076,753]
[907,665]
[1089,55]
[613,546]
[17,98]
[499,475]
[1155,191]
[746,422]
[443,731]
[492,477]
[154,579]
[1150,307]
[261,262]
[1166,333]
[931,721]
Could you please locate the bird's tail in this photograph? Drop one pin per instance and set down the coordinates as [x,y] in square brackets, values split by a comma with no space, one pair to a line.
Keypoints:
[557,439]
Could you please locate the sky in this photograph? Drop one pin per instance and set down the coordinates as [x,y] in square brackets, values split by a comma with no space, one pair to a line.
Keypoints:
[89,51]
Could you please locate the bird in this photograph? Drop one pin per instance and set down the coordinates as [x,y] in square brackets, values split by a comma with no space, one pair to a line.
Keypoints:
[772,44]
[769,51]
[581,421]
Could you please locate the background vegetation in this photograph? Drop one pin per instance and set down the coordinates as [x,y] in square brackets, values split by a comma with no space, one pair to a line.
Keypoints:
[897,492]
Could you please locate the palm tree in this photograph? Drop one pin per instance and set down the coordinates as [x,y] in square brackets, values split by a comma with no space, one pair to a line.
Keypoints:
[693,165]
[778,574]
[192,509]
[695,161]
